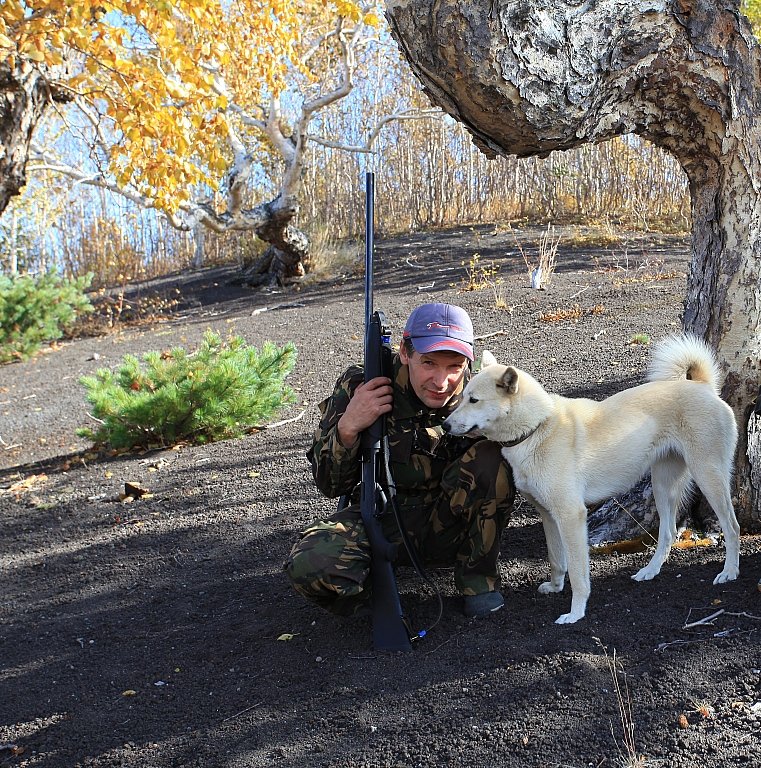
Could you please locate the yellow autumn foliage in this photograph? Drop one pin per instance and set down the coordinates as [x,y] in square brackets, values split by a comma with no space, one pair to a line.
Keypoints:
[752,9]
[164,72]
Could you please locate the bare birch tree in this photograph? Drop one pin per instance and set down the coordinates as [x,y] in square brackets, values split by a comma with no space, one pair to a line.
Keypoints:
[527,78]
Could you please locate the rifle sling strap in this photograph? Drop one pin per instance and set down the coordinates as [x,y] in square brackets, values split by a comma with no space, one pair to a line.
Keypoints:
[391,496]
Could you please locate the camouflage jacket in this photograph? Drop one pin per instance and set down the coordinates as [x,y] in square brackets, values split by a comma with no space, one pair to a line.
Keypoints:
[418,447]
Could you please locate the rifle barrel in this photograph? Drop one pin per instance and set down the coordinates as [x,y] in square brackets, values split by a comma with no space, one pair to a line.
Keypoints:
[369,243]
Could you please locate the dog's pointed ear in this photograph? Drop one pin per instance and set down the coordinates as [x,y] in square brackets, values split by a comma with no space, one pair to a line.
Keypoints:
[487,359]
[509,380]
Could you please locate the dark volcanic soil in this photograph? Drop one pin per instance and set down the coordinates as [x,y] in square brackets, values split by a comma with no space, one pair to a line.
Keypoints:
[151,634]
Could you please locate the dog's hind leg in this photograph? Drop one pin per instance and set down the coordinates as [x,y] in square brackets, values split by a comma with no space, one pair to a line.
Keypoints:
[714,485]
[555,554]
[670,482]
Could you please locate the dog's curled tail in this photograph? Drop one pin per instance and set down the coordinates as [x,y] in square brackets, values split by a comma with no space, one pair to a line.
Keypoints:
[684,356]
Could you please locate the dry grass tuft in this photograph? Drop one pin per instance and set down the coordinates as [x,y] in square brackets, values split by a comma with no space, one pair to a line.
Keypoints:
[329,258]
[575,312]
[628,757]
[594,236]
[540,271]
[647,277]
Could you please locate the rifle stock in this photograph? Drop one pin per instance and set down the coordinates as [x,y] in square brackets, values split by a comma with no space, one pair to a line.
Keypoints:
[390,632]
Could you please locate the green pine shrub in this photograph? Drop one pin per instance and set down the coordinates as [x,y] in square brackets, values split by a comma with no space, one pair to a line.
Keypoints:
[217,392]
[37,309]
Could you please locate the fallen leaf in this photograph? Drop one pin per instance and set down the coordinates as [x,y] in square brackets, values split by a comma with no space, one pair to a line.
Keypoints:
[623,547]
[129,692]
[25,485]
[287,636]
[134,491]
[690,543]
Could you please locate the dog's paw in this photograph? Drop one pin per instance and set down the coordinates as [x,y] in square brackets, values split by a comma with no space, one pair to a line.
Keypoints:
[728,574]
[568,618]
[549,587]
[645,574]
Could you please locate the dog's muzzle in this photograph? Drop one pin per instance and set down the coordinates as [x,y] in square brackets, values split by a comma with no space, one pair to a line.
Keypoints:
[447,427]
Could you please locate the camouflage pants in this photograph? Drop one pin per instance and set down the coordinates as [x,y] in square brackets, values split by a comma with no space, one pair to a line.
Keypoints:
[460,527]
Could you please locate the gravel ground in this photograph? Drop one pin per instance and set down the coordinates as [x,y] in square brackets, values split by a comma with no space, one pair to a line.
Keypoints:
[149,633]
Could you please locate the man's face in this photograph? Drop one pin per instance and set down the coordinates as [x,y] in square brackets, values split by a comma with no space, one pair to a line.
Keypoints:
[435,376]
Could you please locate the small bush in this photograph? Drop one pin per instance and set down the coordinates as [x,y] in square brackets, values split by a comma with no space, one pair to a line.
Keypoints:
[218,392]
[37,309]
[478,276]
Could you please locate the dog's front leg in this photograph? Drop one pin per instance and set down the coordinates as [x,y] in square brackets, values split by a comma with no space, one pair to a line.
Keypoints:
[572,524]
[555,554]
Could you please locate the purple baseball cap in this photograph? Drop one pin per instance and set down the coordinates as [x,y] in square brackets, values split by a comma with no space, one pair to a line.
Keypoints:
[436,327]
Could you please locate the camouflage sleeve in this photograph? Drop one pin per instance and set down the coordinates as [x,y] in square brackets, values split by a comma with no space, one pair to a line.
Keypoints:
[336,469]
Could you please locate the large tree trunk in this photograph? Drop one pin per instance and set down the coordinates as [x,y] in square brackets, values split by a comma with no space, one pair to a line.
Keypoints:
[288,246]
[527,78]
[25,94]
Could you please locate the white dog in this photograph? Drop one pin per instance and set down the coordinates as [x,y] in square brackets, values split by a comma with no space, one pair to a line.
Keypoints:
[569,452]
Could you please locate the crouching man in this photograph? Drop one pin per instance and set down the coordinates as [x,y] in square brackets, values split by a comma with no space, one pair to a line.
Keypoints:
[455,494]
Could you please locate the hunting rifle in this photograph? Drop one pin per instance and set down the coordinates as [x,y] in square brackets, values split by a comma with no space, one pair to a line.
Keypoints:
[390,630]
